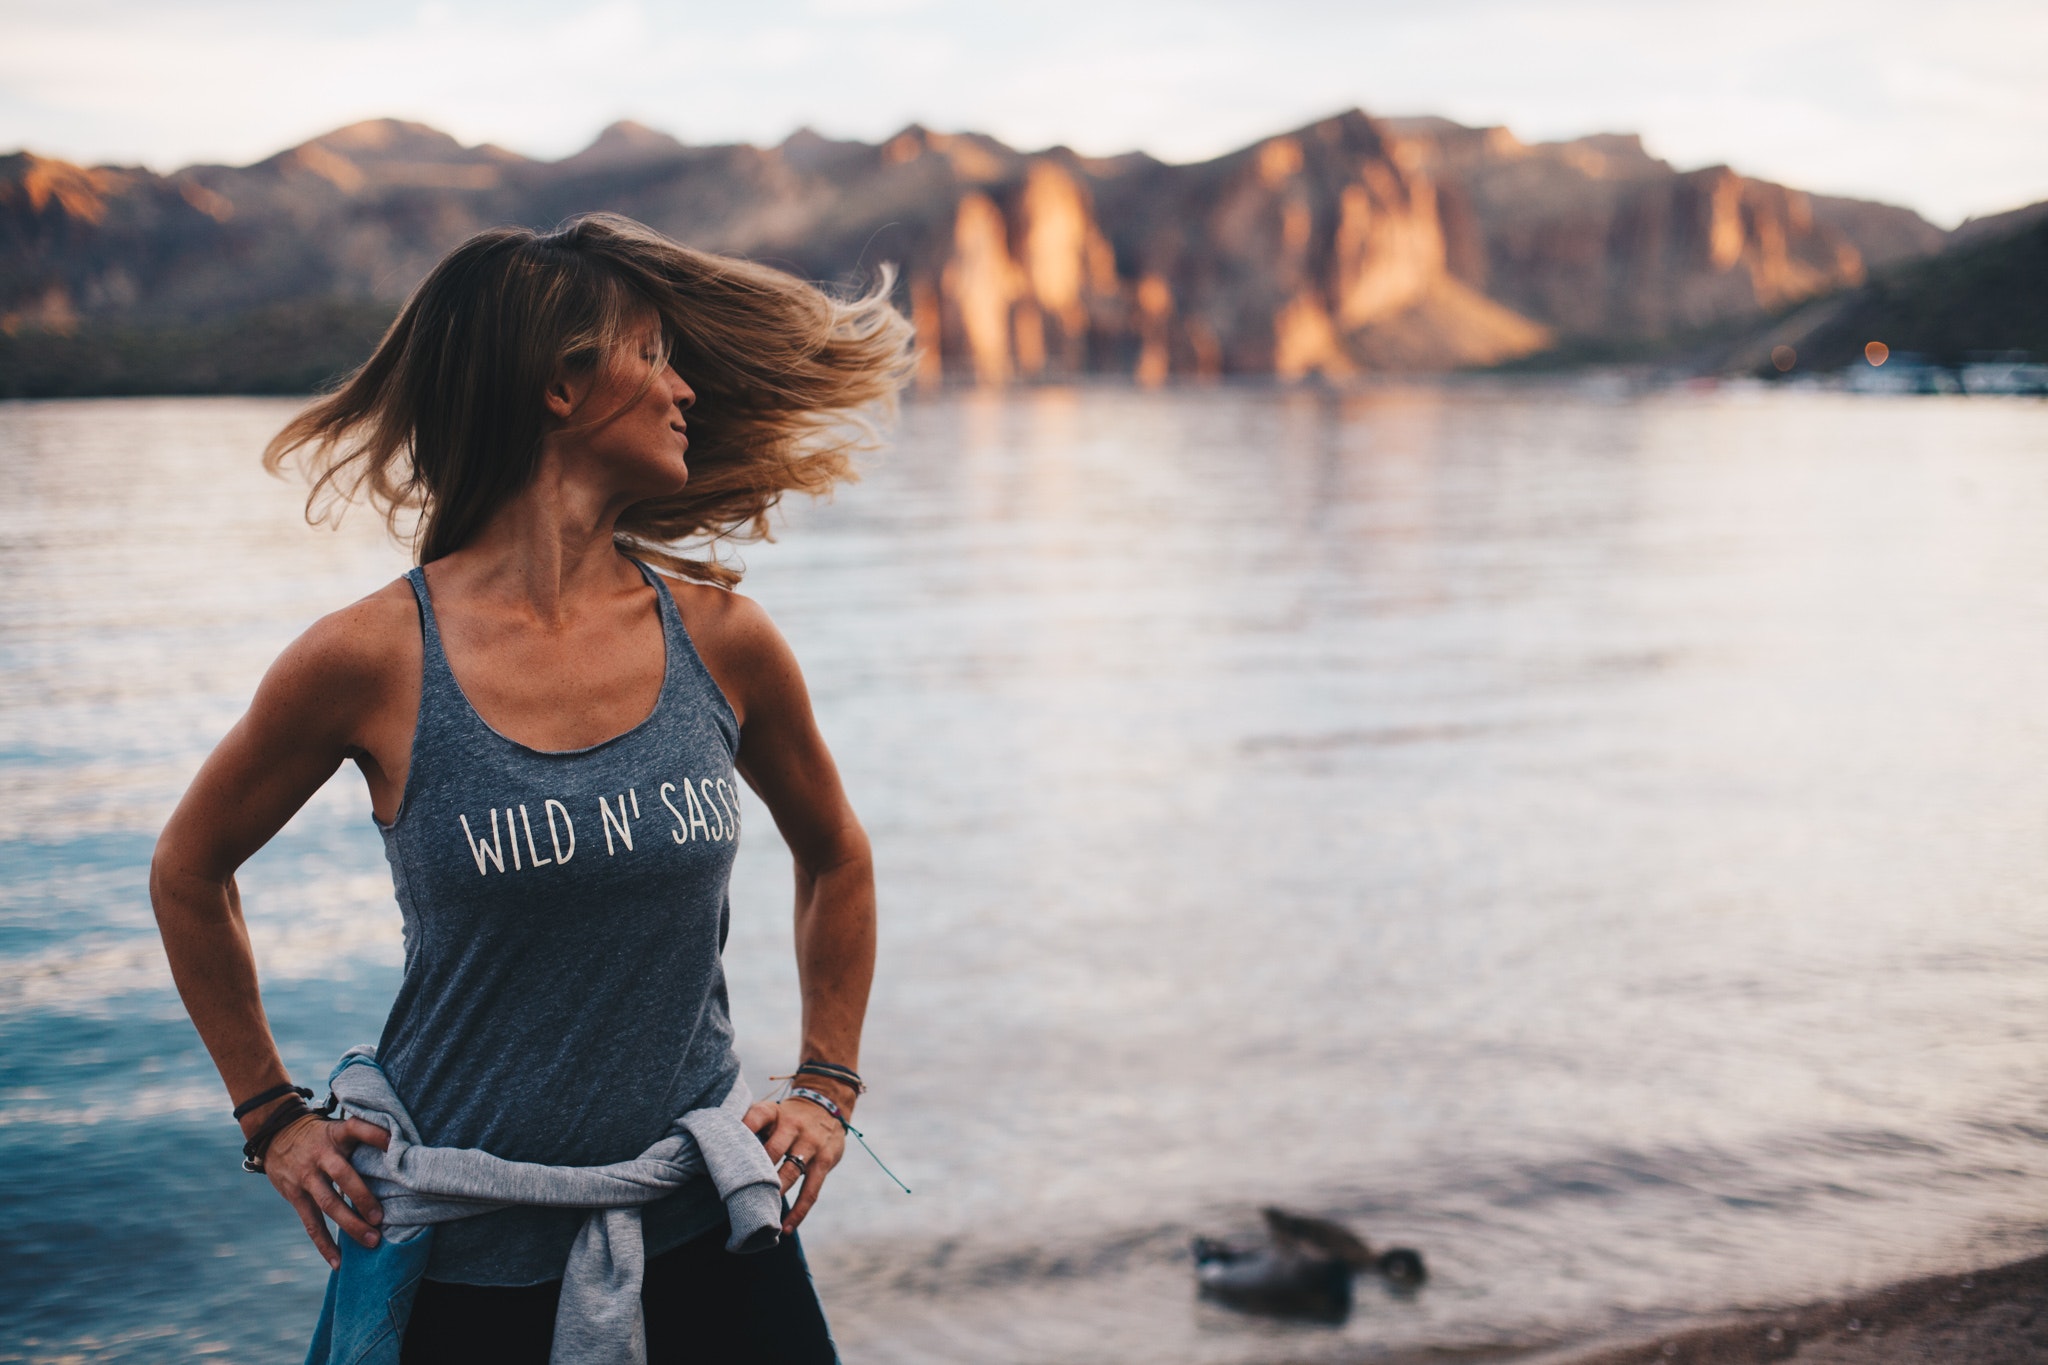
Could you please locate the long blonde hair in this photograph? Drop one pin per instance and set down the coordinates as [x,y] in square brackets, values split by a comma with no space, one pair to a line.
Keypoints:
[445,420]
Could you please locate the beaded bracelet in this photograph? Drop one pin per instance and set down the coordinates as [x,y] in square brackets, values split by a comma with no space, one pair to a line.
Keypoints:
[825,1102]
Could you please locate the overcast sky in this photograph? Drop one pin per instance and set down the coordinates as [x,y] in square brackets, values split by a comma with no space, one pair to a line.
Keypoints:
[1940,106]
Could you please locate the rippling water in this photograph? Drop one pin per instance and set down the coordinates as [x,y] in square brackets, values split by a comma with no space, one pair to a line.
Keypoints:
[1602,844]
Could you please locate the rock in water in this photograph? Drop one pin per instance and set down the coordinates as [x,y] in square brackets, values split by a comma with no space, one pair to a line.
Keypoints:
[1273,1280]
[1303,1270]
[1402,1268]
[1318,1237]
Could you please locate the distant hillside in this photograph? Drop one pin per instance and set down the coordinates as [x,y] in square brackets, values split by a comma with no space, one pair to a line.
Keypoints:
[285,348]
[1987,293]
[1351,245]
[1603,242]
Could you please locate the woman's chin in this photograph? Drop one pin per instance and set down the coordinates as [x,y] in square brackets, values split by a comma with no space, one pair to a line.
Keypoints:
[644,483]
[655,491]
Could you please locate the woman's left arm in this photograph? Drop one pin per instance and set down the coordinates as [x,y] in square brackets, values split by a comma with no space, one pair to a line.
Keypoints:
[784,759]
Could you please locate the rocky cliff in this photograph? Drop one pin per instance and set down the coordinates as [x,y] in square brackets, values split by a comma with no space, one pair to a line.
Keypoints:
[1348,246]
[1596,238]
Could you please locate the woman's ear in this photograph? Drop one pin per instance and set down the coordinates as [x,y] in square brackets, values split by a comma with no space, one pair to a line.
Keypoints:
[564,394]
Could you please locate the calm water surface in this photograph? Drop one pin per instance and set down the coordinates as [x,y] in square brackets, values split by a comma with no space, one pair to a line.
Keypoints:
[1602,844]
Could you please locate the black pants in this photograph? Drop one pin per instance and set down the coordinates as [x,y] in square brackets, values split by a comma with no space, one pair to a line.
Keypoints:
[703,1305]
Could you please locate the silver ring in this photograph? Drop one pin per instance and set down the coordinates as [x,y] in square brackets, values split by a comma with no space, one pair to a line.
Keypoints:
[802,1167]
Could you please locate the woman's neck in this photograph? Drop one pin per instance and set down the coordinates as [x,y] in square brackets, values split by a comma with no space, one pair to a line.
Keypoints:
[544,549]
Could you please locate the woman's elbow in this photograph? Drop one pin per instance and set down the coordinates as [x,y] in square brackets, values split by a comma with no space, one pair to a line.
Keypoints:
[163,899]
[177,885]
[845,855]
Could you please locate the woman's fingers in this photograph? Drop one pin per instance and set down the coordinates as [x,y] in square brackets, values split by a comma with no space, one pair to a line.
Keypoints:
[781,1146]
[350,1182]
[346,1137]
[780,1138]
[821,1165]
[307,1161]
[316,1227]
[320,1185]
[779,1132]
[357,1132]
[817,1140]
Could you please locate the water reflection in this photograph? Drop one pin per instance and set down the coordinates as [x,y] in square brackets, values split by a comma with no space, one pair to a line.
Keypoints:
[1594,842]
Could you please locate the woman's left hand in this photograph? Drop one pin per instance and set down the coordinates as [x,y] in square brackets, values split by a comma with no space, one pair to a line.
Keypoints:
[805,1142]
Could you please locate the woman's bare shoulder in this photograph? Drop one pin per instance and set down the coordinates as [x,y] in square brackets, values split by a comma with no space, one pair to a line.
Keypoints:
[361,649]
[736,640]
[713,613]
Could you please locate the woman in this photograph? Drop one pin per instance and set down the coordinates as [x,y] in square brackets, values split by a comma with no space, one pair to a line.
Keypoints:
[558,411]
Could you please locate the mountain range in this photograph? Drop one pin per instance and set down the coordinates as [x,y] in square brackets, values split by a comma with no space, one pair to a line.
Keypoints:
[1352,245]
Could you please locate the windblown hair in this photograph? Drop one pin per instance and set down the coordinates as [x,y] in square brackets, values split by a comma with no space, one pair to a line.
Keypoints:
[445,421]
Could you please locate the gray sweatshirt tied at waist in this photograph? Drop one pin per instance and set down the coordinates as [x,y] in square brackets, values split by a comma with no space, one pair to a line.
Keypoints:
[599,1319]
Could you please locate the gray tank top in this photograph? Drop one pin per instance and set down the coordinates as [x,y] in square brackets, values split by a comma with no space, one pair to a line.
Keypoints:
[562,1000]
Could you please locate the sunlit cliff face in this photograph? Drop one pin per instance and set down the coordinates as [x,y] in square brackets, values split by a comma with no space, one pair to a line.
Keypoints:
[1714,244]
[1289,258]
[1767,232]
[1389,246]
[1020,284]
[74,190]
[46,205]
[1066,257]
[1350,245]
[1305,341]
[981,283]
[1351,264]
[1597,237]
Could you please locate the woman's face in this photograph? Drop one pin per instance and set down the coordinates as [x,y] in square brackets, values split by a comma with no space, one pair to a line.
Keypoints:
[642,443]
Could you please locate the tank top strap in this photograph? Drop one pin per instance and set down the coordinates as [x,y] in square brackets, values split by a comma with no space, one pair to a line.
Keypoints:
[438,688]
[678,657]
[671,615]
[688,679]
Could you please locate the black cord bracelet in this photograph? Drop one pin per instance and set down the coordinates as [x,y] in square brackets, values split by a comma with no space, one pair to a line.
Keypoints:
[832,1071]
[275,1092]
[281,1118]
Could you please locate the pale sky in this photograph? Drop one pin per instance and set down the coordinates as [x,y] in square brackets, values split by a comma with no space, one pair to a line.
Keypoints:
[1943,107]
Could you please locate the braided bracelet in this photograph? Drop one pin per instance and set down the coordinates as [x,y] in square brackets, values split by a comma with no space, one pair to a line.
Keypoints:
[281,1118]
[832,1071]
[275,1092]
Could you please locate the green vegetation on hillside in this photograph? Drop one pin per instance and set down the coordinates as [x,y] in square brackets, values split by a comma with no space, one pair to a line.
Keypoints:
[1984,296]
[292,348]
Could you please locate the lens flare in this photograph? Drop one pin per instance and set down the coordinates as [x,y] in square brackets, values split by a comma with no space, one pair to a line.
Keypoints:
[1877,352]
[1784,357]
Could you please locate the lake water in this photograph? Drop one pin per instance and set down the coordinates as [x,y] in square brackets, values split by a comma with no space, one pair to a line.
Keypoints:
[1600,842]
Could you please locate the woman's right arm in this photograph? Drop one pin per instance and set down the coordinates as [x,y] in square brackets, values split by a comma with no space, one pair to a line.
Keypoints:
[328,697]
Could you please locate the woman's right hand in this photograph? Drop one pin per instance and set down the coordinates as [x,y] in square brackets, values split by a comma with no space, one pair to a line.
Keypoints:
[308,1164]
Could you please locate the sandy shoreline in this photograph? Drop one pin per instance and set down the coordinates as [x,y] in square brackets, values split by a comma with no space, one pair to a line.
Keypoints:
[1986,1317]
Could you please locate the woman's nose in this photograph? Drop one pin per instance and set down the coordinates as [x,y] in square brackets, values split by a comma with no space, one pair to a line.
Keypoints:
[684,394]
